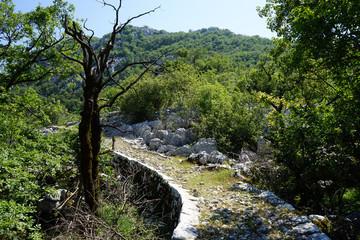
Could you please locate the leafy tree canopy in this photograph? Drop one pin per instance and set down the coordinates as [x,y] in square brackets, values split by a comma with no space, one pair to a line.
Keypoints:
[315,129]
[31,43]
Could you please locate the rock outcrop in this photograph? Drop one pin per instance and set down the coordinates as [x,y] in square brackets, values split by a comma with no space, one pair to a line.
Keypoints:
[180,141]
[159,136]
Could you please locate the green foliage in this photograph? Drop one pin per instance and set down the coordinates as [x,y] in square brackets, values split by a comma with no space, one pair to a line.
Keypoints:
[120,207]
[321,29]
[148,97]
[16,223]
[126,222]
[221,51]
[30,163]
[30,169]
[230,116]
[32,42]
[309,148]
[223,111]
[314,88]
[153,93]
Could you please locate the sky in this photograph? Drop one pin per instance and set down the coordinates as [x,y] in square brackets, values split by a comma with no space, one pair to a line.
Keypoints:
[238,16]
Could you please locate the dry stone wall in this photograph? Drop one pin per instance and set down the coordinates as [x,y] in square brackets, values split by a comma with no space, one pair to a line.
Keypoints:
[176,207]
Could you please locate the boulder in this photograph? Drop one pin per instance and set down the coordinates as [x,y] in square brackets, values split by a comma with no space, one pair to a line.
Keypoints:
[186,135]
[176,140]
[141,128]
[185,151]
[305,229]
[174,121]
[127,129]
[244,167]
[155,143]
[51,201]
[200,158]
[216,157]
[205,145]
[263,146]
[147,135]
[161,134]
[154,124]
[165,149]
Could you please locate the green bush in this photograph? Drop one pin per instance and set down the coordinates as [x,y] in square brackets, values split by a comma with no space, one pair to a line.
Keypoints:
[30,163]
[307,142]
[231,117]
[225,112]
[154,93]
[144,100]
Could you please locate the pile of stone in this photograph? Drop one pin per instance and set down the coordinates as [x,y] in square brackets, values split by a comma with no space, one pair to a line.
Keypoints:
[169,137]
[294,227]
[49,130]
[179,140]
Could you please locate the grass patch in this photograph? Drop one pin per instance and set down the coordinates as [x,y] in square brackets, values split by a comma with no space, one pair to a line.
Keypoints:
[223,177]
[126,223]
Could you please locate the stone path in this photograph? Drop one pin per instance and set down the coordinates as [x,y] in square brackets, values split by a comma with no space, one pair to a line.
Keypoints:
[229,208]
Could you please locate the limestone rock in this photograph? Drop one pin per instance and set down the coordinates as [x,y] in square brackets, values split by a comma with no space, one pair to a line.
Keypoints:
[165,149]
[147,135]
[155,143]
[127,129]
[69,124]
[205,144]
[263,146]
[185,151]
[275,200]
[200,158]
[304,229]
[162,134]
[154,124]
[51,201]
[141,128]
[216,157]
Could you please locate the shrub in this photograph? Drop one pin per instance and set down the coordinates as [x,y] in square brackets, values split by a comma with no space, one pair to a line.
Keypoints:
[30,164]
[232,118]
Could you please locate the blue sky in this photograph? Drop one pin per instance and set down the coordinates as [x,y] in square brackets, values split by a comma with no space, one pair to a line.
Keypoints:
[239,16]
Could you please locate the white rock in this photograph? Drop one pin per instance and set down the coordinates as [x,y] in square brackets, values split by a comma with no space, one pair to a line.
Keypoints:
[305,229]
[155,143]
[185,151]
[205,144]
[165,149]
[216,157]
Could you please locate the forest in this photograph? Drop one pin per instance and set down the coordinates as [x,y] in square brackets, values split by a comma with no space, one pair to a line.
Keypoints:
[300,91]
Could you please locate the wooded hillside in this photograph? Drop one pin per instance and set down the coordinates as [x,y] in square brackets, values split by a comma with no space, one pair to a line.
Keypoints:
[300,92]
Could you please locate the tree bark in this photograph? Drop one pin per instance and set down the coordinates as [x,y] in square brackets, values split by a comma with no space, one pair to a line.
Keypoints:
[86,148]
[95,65]
[96,131]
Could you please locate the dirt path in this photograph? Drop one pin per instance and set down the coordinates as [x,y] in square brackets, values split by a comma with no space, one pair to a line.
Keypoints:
[229,208]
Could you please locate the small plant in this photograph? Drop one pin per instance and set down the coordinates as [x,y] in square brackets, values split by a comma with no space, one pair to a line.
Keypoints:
[324,225]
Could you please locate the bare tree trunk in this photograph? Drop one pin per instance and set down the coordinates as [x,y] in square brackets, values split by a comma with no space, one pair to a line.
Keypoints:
[95,65]
[86,148]
[96,131]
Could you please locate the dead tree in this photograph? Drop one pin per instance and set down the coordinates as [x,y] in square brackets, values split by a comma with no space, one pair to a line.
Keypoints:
[96,75]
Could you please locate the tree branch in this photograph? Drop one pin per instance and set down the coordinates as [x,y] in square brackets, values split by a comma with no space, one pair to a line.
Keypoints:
[112,101]
[113,126]
[112,76]
[120,28]
[71,58]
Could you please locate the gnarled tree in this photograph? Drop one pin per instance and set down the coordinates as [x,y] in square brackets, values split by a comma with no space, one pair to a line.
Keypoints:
[96,75]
